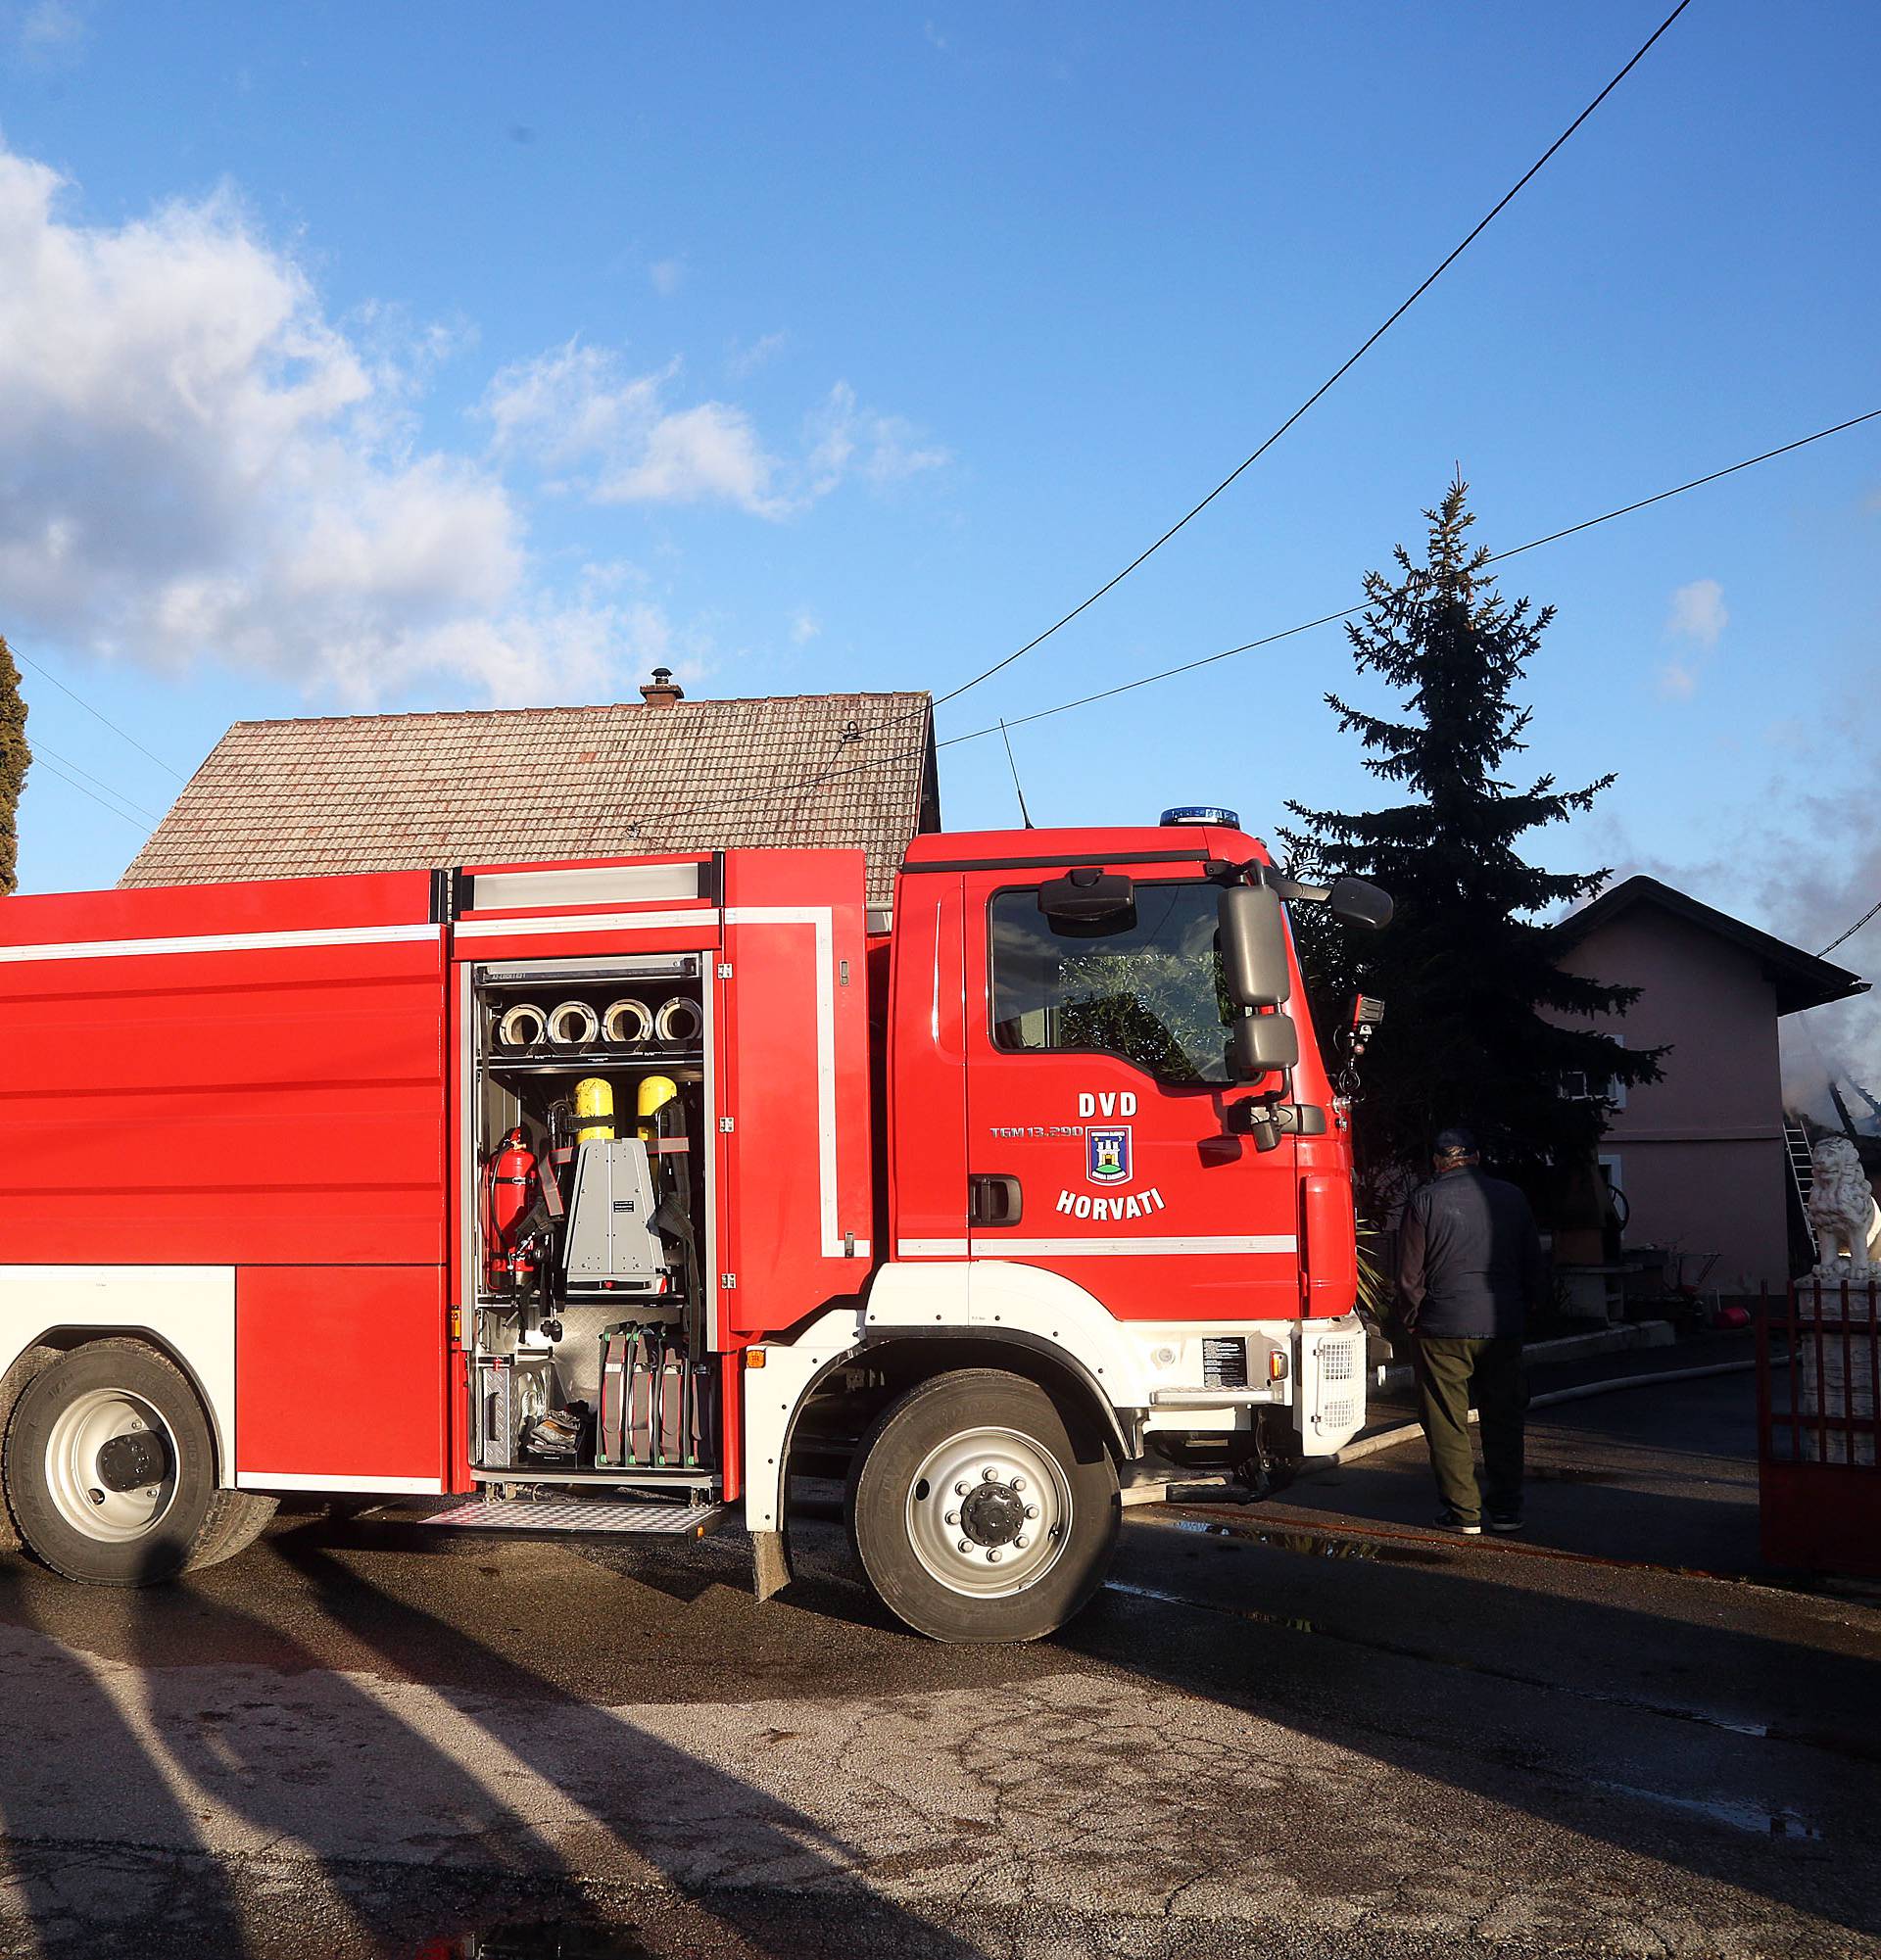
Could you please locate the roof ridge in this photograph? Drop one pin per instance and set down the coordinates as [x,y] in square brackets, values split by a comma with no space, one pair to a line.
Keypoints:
[574,708]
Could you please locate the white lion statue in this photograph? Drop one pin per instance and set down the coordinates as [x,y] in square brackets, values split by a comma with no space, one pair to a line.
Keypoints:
[1843,1213]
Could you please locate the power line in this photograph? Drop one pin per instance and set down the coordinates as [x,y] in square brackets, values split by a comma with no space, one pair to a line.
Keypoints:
[94,713]
[74,782]
[1495,558]
[1697,482]
[1339,373]
[833,775]
[40,753]
[1852,932]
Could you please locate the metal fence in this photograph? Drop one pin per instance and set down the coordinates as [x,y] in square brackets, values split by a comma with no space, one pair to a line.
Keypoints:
[1818,1389]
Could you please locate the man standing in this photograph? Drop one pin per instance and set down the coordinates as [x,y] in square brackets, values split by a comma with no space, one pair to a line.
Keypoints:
[1469,1264]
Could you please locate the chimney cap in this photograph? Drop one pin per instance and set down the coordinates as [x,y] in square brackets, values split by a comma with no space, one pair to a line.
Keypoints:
[662,691]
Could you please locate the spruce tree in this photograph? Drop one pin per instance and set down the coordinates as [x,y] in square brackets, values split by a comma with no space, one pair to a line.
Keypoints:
[1481,1028]
[15,756]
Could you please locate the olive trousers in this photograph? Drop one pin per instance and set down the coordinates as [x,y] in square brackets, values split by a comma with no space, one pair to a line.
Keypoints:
[1448,1370]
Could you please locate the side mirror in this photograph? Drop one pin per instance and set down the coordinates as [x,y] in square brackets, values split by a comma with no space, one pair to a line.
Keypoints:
[1087,896]
[1253,946]
[1260,1043]
[1354,902]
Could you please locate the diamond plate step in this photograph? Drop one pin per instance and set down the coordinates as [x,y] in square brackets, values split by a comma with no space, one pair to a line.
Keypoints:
[655,1519]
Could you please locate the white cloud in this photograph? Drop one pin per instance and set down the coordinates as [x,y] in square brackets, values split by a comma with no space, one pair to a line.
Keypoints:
[667,276]
[576,409]
[693,455]
[846,438]
[47,32]
[1698,613]
[1676,680]
[195,461]
[744,359]
[804,626]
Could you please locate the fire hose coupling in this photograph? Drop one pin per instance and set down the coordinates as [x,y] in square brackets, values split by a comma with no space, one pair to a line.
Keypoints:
[575,1024]
[523,1027]
[679,1022]
[627,1021]
[580,1025]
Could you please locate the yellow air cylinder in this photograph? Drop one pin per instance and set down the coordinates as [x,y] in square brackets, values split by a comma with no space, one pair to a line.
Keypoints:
[654,1092]
[594,1110]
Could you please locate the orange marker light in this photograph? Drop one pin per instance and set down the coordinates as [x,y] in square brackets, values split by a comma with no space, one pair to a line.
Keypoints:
[1277,1366]
[753,1357]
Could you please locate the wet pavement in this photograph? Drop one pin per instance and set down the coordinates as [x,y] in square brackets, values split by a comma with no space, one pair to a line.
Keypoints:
[1311,1727]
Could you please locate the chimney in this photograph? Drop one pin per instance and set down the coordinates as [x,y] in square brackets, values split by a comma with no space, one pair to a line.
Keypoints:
[662,691]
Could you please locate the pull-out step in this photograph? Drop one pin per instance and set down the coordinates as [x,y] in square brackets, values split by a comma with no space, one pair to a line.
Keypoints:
[652,1518]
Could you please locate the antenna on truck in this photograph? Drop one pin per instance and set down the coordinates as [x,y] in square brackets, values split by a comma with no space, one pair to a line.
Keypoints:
[1025,815]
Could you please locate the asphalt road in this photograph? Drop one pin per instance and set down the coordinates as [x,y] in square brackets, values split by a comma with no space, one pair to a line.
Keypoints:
[1311,1728]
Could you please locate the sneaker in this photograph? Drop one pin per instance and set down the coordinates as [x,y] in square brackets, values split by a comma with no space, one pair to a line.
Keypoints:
[1467,1527]
[1506,1522]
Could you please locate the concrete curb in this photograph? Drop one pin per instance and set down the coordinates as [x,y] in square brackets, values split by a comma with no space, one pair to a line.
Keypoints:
[1406,1432]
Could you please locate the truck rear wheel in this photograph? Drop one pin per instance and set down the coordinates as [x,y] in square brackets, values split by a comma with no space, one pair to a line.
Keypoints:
[110,1468]
[980,1512]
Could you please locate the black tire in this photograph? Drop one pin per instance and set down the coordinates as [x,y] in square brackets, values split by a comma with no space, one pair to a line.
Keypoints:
[244,1516]
[190,1519]
[11,1386]
[899,1515]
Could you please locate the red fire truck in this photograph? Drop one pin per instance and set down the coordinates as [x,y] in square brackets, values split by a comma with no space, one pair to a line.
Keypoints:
[604,1196]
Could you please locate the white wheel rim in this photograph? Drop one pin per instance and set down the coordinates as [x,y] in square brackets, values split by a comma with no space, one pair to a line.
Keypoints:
[78,1492]
[988,1512]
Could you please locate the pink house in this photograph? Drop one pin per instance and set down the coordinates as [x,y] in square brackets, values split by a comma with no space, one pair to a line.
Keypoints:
[1699,1156]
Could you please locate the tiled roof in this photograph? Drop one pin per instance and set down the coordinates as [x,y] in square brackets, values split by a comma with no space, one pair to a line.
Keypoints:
[383,793]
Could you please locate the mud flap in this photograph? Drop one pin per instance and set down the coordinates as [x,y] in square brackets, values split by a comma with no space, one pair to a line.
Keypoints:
[770,1565]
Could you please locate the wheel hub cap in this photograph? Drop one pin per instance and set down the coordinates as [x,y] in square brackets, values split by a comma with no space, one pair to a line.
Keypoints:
[988,1512]
[110,1465]
[993,1514]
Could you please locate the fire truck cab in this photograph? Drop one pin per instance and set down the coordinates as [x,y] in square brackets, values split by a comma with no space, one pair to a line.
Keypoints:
[608,1196]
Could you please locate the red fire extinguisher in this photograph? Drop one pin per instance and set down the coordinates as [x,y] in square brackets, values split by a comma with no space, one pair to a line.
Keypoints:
[510,1187]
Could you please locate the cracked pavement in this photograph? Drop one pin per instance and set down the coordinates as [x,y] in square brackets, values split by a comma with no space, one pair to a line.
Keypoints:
[1304,1729]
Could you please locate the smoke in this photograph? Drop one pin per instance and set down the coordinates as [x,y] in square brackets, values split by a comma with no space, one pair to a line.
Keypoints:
[1807,884]
[1828,875]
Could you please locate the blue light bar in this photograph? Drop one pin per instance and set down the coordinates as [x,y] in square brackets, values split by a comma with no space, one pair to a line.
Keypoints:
[1203,813]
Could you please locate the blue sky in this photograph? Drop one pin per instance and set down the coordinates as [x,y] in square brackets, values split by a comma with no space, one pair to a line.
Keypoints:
[439,355]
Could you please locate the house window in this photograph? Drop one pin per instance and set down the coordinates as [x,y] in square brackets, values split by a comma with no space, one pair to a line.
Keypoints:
[1577,1087]
[1149,989]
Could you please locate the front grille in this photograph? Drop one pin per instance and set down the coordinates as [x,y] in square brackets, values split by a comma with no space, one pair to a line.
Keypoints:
[1224,1362]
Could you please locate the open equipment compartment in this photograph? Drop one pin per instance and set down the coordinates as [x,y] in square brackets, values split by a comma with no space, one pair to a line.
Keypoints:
[590,1336]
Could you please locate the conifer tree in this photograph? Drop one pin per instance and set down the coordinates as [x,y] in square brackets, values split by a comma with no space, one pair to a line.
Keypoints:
[15,757]
[1482,1027]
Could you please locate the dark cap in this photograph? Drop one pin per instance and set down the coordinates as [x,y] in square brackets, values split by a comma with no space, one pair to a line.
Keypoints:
[1455,1143]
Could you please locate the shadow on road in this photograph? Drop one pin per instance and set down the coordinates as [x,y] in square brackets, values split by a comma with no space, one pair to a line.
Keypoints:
[360,1781]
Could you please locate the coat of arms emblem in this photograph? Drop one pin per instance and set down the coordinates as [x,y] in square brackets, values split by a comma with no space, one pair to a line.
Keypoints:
[1107,1155]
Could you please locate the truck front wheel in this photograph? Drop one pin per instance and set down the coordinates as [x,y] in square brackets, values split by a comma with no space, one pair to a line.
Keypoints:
[979,1511]
[110,1470]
